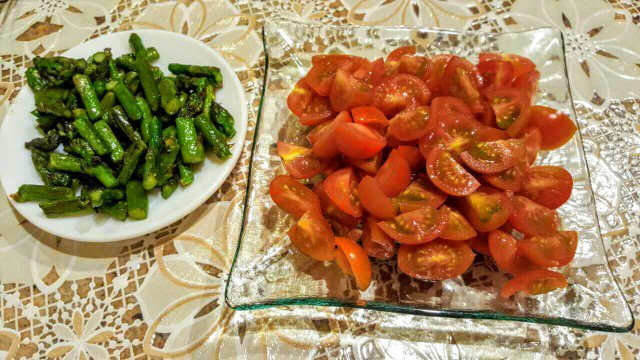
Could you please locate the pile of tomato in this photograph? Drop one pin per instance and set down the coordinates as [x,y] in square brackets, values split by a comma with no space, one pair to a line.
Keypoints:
[430,160]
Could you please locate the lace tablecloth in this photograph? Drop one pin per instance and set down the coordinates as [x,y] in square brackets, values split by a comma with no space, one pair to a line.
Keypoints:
[162,295]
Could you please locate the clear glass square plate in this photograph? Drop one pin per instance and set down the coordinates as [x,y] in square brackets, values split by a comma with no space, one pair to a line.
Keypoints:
[269,271]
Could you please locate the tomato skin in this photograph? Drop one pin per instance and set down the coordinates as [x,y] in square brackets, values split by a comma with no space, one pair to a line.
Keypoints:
[313,237]
[435,260]
[358,262]
[504,251]
[396,54]
[528,83]
[371,73]
[461,79]
[549,186]
[534,282]
[533,219]
[340,185]
[376,242]
[511,179]
[551,251]
[299,161]
[556,128]
[358,141]
[434,75]
[445,109]
[510,107]
[348,92]
[480,244]
[418,194]
[394,175]
[448,175]
[413,156]
[416,227]
[317,131]
[399,91]
[486,209]
[370,116]
[411,124]
[415,65]
[490,157]
[458,228]
[370,165]
[374,200]
[316,112]
[520,64]
[344,230]
[320,76]
[330,210]
[325,145]
[487,116]
[532,139]
[496,74]
[300,97]
[292,197]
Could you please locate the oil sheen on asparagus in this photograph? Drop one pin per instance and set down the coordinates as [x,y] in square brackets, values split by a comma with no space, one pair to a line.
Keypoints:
[113,129]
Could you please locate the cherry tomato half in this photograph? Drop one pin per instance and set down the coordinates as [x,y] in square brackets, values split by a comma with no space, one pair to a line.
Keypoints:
[374,200]
[533,219]
[511,179]
[556,128]
[348,92]
[490,157]
[416,227]
[509,105]
[458,228]
[534,282]
[340,185]
[370,165]
[418,194]
[413,156]
[435,260]
[358,141]
[551,251]
[370,116]
[325,145]
[461,79]
[549,186]
[480,244]
[449,176]
[300,97]
[496,74]
[398,92]
[504,251]
[376,242]
[353,260]
[299,161]
[331,210]
[321,75]
[292,197]
[411,123]
[520,64]
[313,237]
[394,175]
[486,209]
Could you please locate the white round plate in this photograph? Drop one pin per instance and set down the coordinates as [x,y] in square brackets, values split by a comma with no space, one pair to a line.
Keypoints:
[19,126]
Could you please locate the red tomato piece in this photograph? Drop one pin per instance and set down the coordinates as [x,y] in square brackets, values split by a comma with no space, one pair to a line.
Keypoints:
[480,244]
[330,210]
[316,112]
[374,200]
[509,105]
[418,194]
[511,179]
[370,73]
[486,209]
[414,65]
[551,251]
[313,237]
[504,251]
[435,260]
[549,186]
[461,79]
[376,242]
[396,54]
[446,109]
[299,161]
[533,219]
[341,185]
[416,227]
[458,228]
[490,157]
[520,64]
[370,116]
[449,176]
[370,165]
[300,97]
[394,175]
[411,124]
[358,141]
[434,76]
[496,74]
[532,141]
[344,230]
[413,156]
[317,131]
[353,260]
[487,116]
[348,92]
[556,128]
[399,91]
[292,196]
[528,83]
[534,282]
[325,145]
[321,75]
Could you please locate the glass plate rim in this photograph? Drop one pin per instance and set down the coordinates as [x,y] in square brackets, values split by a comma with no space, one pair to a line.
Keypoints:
[381,306]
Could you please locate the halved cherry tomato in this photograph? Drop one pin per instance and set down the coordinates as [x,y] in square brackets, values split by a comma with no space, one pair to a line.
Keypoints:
[461,79]
[445,109]
[292,196]
[370,116]
[490,157]
[556,128]
[321,75]
[510,179]
[299,161]
[458,134]
[396,54]
[348,92]
[416,227]
[435,260]
[414,65]
[317,131]
[374,200]
[551,251]
[370,165]
[520,64]
[412,123]
[394,142]
[549,186]
[504,251]
[480,244]
[358,141]
[394,175]
[376,242]
[433,76]
[353,260]
[458,228]
[313,237]
[325,145]
[486,209]
[534,282]
[341,185]
[532,141]
[449,176]
[488,133]
[509,105]
[496,74]
[413,156]
[300,97]
[528,83]
[487,116]
[398,92]
[330,210]
[370,73]
[533,219]
[316,112]
[418,194]
[344,230]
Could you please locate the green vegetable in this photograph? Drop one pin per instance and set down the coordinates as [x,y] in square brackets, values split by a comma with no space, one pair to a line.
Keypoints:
[64,162]
[85,128]
[191,147]
[146,117]
[137,201]
[88,96]
[82,148]
[30,192]
[35,81]
[104,174]
[186,175]
[172,101]
[48,142]
[117,210]
[169,187]
[108,101]
[52,101]
[40,160]
[121,120]
[100,196]
[131,158]
[59,208]
[149,85]
[150,172]
[168,157]
[127,101]
[211,72]
[210,133]
[110,140]
[223,119]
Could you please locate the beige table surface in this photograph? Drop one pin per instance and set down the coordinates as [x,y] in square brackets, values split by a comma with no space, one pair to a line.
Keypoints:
[162,295]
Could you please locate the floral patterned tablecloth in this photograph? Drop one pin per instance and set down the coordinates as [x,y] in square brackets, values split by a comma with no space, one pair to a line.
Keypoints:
[161,295]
